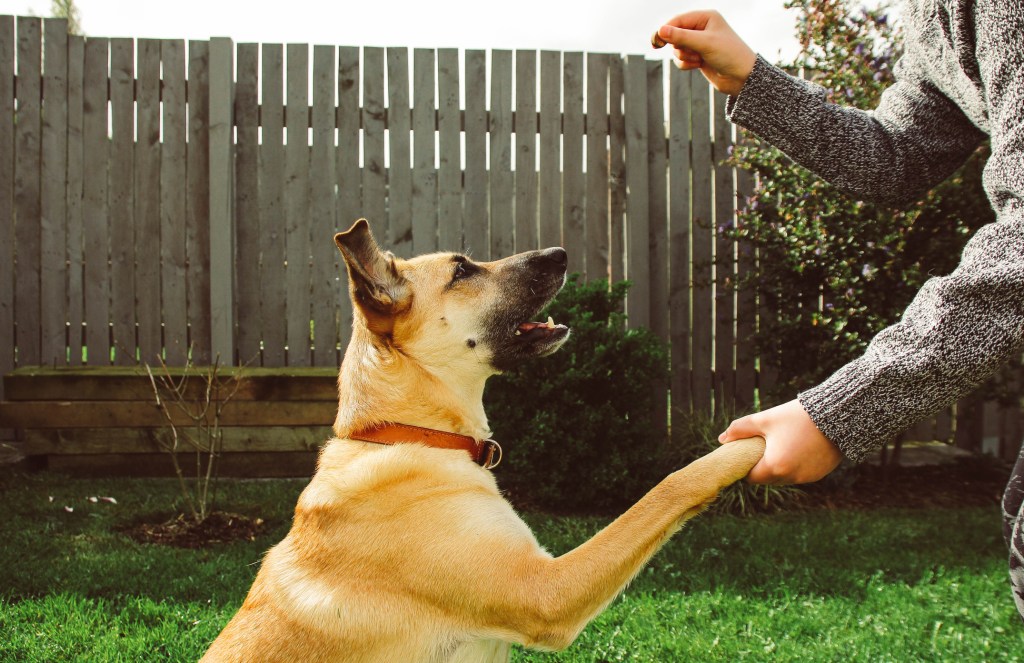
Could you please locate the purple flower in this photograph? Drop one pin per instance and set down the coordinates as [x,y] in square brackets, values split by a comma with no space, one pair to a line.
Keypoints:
[859,50]
[877,76]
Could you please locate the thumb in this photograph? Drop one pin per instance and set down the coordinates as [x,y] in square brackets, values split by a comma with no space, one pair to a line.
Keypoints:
[695,40]
[741,428]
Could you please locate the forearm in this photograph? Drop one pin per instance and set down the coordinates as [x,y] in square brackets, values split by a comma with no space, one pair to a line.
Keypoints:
[883,156]
[958,331]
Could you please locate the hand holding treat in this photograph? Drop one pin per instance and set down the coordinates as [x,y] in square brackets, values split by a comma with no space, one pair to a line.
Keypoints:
[704,40]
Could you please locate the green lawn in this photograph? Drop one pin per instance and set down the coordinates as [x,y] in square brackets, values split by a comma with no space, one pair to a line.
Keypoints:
[893,585]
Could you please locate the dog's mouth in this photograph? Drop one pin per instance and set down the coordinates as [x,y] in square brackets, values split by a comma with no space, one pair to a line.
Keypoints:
[540,338]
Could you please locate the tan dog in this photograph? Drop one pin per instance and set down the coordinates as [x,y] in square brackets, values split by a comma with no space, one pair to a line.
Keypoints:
[407,553]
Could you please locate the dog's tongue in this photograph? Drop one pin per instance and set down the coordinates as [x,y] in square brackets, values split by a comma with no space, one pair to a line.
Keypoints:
[530,326]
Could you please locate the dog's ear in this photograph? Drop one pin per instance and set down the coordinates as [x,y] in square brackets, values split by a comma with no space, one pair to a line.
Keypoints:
[376,286]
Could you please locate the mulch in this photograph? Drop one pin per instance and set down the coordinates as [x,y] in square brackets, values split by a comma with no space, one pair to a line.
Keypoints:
[184,532]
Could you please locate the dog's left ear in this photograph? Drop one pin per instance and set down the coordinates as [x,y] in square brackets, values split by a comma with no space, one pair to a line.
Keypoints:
[376,286]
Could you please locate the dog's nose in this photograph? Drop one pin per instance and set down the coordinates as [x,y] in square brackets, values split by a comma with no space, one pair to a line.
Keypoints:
[556,256]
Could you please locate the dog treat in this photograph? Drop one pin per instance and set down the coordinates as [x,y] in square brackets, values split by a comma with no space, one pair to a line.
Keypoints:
[657,41]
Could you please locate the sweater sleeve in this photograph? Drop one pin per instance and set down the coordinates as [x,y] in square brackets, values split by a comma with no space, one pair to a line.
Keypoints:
[914,139]
[960,328]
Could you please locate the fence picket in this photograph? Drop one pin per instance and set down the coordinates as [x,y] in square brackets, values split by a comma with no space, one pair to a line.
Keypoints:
[120,196]
[657,168]
[374,174]
[172,204]
[350,198]
[94,203]
[147,201]
[725,259]
[449,176]
[549,193]
[53,193]
[616,169]
[701,243]
[296,192]
[573,201]
[7,220]
[638,266]
[326,285]
[500,132]
[680,283]
[247,200]
[399,237]
[526,151]
[424,187]
[197,203]
[474,225]
[746,306]
[273,277]
[596,254]
[73,195]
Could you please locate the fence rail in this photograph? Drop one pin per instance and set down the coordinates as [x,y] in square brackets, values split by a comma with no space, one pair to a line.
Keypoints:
[172,196]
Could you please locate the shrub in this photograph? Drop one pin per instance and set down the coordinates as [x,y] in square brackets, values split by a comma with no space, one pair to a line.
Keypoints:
[576,426]
[835,270]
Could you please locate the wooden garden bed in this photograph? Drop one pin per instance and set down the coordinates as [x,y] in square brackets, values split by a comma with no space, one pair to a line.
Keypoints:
[104,421]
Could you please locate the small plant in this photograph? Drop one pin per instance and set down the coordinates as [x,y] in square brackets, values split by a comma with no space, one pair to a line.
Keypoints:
[193,417]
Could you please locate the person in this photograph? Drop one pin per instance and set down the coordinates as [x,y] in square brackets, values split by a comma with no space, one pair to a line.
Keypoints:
[960,79]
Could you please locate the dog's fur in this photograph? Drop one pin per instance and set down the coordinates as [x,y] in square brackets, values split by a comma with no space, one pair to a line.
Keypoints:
[409,554]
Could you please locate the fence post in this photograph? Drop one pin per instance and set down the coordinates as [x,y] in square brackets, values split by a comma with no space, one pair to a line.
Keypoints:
[222,231]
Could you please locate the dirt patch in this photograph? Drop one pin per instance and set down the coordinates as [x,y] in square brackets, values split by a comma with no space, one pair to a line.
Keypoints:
[183,532]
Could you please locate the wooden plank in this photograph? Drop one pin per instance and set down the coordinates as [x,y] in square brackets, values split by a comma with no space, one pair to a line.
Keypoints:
[222,224]
[147,200]
[596,254]
[725,261]
[573,208]
[679,240]
[296,191]
[638,302]
[241,465]
[326,294]
[94,203]
[424,180]
[248,279]
[115,414]
[475,220]
[657,169]
[271,208]
[7,169]
[526,151]
[27,191]
[75,193]
[350,205]
[550,190]
[173,159]
[657,236]
[399,235]
[120,200]
[374,173]
[93,441]
[746,305]
[53,194]
[197,203]
[944,425]
[616,169]
[702,253]
[502,197]
[449,176]
[120,383]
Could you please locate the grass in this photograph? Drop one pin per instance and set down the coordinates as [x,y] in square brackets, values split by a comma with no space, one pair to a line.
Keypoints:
[890,585]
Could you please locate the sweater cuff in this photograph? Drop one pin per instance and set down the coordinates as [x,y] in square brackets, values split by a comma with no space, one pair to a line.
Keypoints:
[766,102]
[844,411]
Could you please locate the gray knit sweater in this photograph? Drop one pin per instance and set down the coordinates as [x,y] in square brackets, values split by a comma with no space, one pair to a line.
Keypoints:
[961,78]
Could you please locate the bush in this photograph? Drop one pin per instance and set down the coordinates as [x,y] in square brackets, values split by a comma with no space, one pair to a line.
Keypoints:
[835,270]
[576,426]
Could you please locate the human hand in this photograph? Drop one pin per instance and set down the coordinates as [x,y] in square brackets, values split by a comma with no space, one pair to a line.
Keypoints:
[795,452]
[703,40]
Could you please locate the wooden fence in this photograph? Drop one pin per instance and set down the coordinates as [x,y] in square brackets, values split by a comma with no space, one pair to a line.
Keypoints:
[162,196]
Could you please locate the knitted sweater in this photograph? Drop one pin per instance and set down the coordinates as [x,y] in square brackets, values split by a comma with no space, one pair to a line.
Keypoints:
[961,78]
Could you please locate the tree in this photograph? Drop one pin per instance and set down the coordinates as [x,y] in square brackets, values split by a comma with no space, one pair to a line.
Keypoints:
[67,9]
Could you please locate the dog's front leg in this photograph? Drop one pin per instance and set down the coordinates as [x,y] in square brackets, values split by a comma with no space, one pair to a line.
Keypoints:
[549,600]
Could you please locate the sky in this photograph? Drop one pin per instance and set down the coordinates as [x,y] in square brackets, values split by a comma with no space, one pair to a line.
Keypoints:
[608,26]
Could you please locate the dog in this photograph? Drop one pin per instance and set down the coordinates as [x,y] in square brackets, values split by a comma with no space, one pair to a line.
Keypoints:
[402,549]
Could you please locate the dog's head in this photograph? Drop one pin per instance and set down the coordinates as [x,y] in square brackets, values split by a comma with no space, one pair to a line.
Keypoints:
[446,310]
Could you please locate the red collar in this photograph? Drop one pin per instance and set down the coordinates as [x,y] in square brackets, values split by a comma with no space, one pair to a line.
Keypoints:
[482,452]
